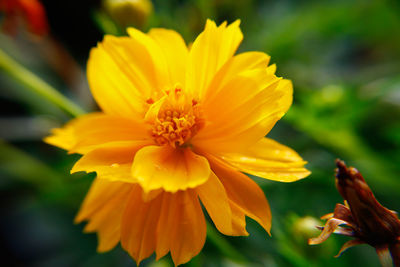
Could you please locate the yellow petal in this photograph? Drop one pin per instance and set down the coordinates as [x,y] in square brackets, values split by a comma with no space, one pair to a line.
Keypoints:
[157,57]
[190,230]
[246,87]
[113,163]
[121,76]
[240,63]
[271,160]
[244,192]
[90,131]
[64,138]
[209,52]
[271,69]
[139,224]
[171,169]
[214,198]
[266,114]
[175,52]
[246,109]
[103,208]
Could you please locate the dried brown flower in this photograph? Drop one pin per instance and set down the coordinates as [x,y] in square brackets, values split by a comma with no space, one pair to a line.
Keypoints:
[362,217]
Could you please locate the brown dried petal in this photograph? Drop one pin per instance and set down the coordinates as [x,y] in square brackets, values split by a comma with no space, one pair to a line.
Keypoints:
[347,231]
[327,216]
[329,228]
[343,213]
[349,244]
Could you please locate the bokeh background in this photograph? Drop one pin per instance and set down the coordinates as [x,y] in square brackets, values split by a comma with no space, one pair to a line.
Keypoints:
[342,56]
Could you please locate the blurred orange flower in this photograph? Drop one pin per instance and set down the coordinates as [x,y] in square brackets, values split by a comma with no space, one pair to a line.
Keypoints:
[31,11]
[178,125]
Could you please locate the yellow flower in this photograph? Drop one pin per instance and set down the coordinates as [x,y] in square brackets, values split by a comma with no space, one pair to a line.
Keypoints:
[178,125]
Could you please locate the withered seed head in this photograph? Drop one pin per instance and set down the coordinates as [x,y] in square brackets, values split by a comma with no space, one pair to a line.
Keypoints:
[376,225]
[362,217]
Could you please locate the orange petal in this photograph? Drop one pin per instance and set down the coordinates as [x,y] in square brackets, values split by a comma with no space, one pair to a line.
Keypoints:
[175,52]
[139,224]
[171,169]
[244,192]
[209,52]
[181,227]
[214,198]
[238,219]
[148,196]
[103,208]
[190,231]
[227,216]
[113,163]
[168,223]
[271,160]
[90,131]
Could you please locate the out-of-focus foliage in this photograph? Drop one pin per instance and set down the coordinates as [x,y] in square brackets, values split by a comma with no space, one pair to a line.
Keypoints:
[344,60]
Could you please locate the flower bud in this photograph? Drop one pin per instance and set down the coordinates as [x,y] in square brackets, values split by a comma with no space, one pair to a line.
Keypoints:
[129,12]
[305,227]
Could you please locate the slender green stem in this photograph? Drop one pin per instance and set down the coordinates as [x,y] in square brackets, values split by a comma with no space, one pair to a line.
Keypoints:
[35,84]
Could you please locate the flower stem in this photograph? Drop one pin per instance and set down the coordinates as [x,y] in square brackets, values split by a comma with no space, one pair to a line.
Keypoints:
[35,84]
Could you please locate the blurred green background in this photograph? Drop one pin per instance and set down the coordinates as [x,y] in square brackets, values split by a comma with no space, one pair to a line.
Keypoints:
[343,58]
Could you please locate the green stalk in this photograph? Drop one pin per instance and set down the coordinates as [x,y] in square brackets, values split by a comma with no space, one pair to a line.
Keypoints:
[35,84]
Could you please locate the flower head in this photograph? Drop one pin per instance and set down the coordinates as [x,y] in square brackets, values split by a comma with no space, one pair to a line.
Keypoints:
[361,217]
[178,126]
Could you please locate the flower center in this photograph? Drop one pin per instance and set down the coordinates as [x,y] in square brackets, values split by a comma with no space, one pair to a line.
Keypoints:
[178,119]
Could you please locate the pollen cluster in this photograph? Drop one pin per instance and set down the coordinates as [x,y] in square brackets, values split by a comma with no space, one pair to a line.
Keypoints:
[178,120]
